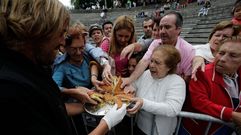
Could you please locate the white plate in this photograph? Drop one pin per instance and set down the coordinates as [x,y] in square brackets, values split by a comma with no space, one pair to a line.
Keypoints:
[99,112]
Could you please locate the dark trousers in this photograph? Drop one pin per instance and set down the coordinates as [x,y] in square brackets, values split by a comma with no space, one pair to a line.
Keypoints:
[138,131]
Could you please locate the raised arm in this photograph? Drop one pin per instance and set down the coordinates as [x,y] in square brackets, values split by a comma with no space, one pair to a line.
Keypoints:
[95,52]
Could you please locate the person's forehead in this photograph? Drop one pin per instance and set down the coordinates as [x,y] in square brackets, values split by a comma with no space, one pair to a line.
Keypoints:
[168,19]
[96,30]
[123,32]
[158,55]
[77,43]
[107,25]
[234,47]
[228,30]
[148,22]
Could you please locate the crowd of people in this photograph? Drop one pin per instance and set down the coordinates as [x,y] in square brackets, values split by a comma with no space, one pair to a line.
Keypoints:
[48,67]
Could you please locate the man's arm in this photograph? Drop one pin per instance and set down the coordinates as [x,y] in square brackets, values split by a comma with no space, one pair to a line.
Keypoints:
[141,45]
[95,52]
[101,57]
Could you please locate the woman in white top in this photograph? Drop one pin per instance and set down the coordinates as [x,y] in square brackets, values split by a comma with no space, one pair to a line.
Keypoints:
[205,53]
[160,93]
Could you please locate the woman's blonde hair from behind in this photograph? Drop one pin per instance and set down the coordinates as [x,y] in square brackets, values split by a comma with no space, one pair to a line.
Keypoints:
[30,22]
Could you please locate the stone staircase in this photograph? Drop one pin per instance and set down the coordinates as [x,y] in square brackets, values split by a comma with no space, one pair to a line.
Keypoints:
[195,29]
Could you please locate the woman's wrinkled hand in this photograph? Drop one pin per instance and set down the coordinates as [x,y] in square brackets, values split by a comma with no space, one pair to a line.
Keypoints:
[138,104]
[198,63]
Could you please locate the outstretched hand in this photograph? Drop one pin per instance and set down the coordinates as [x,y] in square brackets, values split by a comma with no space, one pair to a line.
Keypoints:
[198,62]
[82,96]
[106,75]
[137,106]
[127,51]
[125,82]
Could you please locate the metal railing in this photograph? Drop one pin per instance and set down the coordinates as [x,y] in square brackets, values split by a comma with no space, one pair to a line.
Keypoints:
[203,117]
[182,114]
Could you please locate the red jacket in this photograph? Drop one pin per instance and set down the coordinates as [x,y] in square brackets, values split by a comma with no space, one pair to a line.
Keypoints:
[208,95]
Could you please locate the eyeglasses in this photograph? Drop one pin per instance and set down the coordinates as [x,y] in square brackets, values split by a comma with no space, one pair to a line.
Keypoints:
[75,49]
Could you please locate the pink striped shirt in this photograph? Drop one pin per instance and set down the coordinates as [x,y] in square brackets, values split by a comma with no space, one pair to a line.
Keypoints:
[187,53]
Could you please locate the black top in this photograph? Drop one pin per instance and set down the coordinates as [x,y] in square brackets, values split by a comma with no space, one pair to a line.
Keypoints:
[29,99]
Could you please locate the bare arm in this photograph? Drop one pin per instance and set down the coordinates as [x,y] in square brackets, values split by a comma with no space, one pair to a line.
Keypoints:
[101,129]
[94,76]
[128,50]
[112,118]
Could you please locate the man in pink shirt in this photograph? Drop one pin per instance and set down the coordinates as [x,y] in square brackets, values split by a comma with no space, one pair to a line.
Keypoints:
[170,29]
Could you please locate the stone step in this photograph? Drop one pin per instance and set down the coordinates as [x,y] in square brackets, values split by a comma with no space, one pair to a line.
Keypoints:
[196,40]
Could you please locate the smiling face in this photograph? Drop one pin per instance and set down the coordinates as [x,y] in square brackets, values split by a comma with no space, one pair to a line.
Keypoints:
[218,36]
[157,66]
[107,29]
[168,29]
[228,58]
[76,50]
[123,36]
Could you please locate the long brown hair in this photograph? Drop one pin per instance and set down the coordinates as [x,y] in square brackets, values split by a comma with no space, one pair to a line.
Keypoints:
[122,22]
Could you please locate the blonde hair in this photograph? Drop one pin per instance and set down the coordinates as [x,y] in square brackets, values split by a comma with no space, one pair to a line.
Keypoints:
[221,26]
[76,31]
[25,22]
[122,22]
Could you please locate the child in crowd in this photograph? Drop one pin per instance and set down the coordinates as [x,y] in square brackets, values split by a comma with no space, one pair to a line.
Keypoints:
[236,13]
[133,61]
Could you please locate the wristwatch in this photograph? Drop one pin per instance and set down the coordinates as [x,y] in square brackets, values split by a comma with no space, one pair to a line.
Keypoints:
[103,61]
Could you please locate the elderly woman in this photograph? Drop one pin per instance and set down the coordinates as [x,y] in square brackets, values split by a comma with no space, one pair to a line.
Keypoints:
[77,72]
[160,94]
[217,92]
[77,69]
[205,53]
